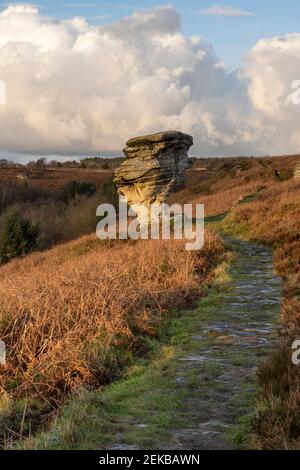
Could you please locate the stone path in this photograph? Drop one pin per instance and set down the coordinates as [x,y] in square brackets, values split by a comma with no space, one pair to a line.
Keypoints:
[240,334]
[216,368]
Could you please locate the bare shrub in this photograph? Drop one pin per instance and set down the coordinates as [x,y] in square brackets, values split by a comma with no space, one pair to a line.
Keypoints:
[62,315]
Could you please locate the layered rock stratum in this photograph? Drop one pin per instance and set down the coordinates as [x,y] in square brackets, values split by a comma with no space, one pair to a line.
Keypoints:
[155,165]
[297,170]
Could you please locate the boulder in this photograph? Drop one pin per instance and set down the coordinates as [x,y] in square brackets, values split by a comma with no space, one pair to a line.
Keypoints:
[154,166]
[297,170]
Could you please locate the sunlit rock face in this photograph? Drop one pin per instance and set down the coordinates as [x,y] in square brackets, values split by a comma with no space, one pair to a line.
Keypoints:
[297,171]
[154,166]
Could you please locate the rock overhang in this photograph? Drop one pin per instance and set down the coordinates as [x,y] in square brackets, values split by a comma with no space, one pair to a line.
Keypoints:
[155,166]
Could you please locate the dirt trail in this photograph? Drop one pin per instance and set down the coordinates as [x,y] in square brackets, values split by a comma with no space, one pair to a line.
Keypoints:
[243,328]
[216,369]
[197,388]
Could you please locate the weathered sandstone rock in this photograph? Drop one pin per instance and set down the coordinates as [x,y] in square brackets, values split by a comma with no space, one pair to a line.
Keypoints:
[297,170]
[154,166]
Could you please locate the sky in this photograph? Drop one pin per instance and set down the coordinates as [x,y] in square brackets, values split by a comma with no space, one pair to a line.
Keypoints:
[232,26]
[81,77]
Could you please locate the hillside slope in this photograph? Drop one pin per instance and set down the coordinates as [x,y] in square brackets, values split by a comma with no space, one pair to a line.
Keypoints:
[261,201]
[77,314]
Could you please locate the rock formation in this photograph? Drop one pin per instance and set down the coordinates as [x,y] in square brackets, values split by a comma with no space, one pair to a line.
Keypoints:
[297,170]
[154,166]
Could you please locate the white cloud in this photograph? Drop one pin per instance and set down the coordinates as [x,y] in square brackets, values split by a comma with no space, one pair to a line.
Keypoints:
[271,68]
[219,10]
[73,88]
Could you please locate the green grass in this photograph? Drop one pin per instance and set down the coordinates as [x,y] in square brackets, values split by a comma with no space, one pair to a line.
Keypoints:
[144,405]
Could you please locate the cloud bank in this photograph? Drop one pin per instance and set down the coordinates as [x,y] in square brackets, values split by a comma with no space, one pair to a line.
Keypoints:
[73,88]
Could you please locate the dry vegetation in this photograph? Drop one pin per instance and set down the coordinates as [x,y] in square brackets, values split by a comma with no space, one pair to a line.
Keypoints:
[41,199]
[262,202]
[75,315]
[274,219]
[52,180]
[225,182]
